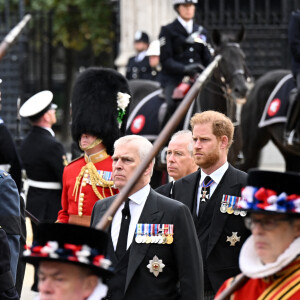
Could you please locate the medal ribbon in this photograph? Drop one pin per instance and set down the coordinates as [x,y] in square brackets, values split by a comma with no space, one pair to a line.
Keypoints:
[203,185]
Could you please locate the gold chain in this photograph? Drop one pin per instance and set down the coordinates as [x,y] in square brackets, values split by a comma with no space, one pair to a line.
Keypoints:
[95,178]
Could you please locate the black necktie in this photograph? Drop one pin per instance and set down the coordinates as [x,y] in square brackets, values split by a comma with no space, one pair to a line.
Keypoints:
[123,235]
[205,190]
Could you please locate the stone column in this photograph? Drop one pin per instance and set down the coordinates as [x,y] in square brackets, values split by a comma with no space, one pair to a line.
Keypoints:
[144,15]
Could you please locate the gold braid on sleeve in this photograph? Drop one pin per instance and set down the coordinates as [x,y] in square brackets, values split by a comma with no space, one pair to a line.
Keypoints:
[95,179]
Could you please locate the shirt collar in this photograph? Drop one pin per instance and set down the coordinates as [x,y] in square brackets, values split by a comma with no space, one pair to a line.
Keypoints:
[141,195]
[50,130]
[186,24]
[217,175]
[141,56]
[96,157]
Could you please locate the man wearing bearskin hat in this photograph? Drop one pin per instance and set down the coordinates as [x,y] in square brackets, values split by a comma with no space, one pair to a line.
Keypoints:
[71,262]
[270,257]
[99,100]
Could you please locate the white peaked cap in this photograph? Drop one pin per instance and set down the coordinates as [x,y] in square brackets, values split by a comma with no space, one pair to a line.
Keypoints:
[36,104]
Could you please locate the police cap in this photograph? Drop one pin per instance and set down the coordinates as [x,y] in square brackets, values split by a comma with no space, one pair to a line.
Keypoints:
[141,36]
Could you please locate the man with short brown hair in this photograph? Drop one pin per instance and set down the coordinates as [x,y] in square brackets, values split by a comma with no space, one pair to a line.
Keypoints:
[210,194]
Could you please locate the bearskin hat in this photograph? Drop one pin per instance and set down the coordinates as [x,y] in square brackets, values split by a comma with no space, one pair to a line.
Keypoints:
[95,106]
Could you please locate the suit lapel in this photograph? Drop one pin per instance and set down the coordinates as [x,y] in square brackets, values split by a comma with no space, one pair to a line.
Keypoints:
[180,28]
[226,186]
[110,247]
[186,191]
[150,215]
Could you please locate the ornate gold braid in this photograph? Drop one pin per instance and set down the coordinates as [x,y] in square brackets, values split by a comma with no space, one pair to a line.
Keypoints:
[95,178]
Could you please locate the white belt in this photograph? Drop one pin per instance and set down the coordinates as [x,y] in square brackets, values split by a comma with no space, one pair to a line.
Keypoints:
[44,185]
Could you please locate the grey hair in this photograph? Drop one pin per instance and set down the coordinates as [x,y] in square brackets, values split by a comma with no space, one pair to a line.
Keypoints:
[188,134]
[145,146]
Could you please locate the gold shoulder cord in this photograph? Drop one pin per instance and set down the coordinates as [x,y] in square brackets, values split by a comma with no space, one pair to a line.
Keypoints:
[95,179]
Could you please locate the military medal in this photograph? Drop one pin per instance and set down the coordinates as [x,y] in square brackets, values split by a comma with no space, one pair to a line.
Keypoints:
[165,233]
[233,239]
[205,194]
[235,210]
[160,236]
[224,204]
[138,237]
[148,237]
[229,208]
[243,213]
[144,237]
[155,266]
[170,234]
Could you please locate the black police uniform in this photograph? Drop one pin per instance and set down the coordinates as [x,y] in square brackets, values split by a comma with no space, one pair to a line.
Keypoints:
[7,286]
[176,53]
[138,69]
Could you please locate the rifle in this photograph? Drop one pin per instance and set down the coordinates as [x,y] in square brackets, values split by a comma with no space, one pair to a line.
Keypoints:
[161,140]
[12,35]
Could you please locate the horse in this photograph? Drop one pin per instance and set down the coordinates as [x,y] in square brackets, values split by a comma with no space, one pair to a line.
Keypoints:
[228,83]
[256,137]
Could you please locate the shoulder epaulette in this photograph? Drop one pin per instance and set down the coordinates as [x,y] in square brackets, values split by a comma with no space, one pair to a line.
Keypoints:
[75,159]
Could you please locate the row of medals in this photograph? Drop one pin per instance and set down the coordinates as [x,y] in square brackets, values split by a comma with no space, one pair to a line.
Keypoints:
[225,208]
[154,239]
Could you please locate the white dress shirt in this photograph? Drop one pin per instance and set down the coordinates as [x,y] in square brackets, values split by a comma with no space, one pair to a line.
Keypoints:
[139,57]
[187,25]
[136,206]
[216,176]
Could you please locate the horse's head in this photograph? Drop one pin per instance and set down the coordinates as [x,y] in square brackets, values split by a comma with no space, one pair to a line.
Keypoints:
[232,70]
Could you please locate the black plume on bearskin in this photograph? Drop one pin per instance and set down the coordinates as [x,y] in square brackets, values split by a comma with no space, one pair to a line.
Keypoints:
[94,105]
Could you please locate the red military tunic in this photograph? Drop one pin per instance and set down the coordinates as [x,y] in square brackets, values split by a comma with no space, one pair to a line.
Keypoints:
[285,284]
[78,202]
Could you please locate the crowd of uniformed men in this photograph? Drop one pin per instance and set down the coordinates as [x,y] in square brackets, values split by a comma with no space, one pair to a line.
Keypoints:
[180,241]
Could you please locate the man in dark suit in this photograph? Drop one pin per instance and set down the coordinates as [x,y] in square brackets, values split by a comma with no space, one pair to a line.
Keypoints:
[180,161]
[44,159]
[157,255]
[210,194]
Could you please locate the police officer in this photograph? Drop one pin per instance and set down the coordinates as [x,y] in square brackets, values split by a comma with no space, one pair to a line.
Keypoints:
[44,159]
[293,122]
[138,66]
[183,50]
